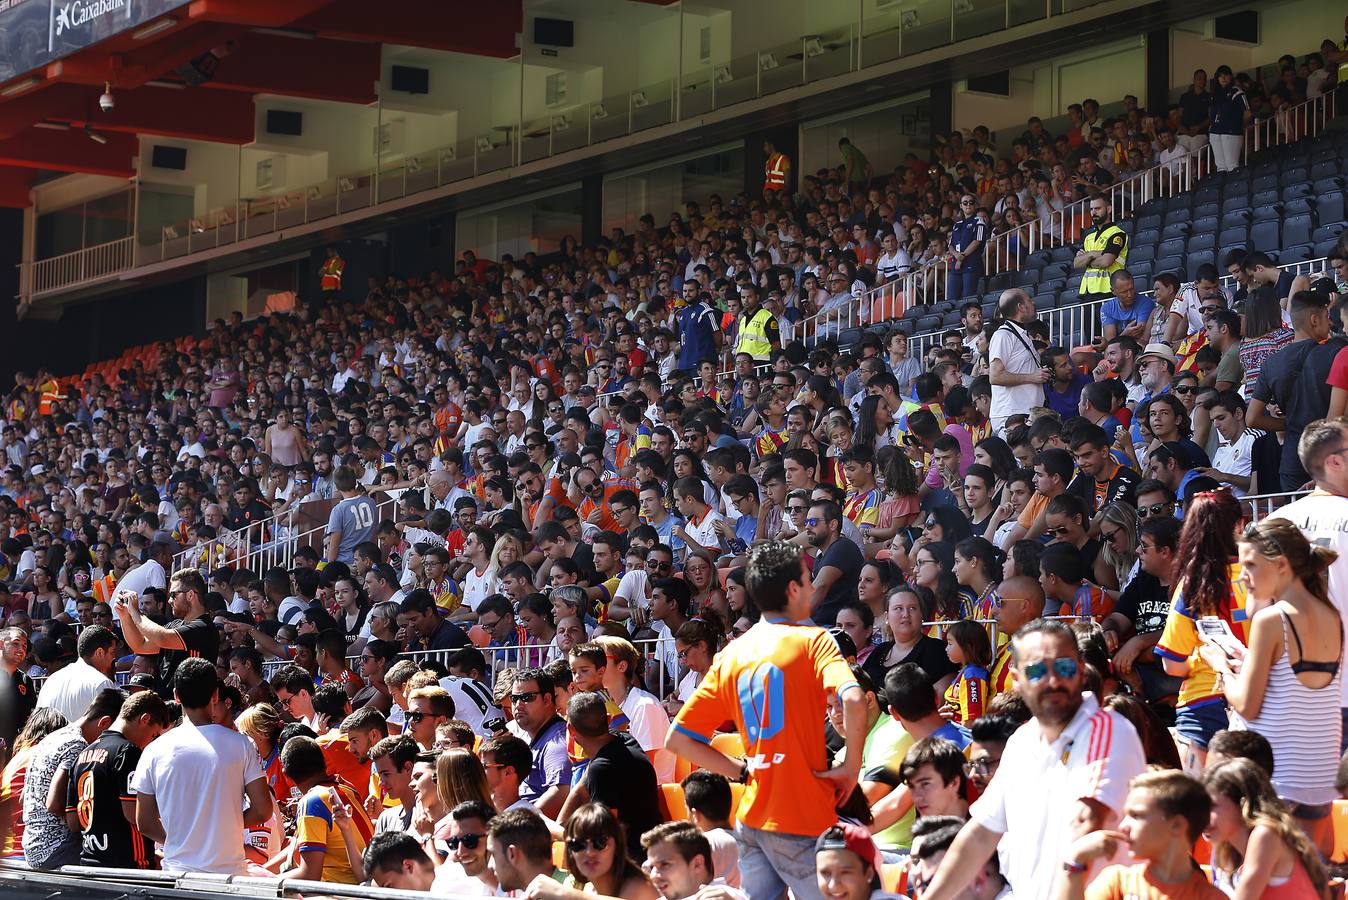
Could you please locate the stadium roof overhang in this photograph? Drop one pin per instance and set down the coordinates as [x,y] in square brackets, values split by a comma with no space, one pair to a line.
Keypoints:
[190,69]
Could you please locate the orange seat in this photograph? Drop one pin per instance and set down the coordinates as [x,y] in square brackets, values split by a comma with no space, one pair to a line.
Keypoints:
[722,575]
[675,802]
[730,743]
[559,855]
[682,768]
[1339,817]
[892,877]
[736,795]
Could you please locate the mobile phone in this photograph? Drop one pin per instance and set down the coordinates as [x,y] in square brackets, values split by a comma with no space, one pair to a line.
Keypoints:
[1215,630]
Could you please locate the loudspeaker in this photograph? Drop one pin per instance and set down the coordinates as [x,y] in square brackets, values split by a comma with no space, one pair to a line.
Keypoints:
[555,32]
[411,80]
[162,157]
[281,121]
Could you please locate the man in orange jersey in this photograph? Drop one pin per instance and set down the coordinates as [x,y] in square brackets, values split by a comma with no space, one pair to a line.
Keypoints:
[791,793]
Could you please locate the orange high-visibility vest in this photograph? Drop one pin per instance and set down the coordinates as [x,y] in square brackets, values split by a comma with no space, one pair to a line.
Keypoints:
[774,173]
[332,273]
[50,395]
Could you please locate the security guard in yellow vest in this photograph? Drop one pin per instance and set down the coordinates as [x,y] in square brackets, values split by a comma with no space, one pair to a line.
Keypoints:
[1104,250]
[759,332]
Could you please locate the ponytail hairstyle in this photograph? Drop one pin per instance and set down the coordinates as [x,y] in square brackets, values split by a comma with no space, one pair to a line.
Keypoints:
[989,558]
[1250,788]
[1207,548]
[1274,538]
[707,628]
[973,639]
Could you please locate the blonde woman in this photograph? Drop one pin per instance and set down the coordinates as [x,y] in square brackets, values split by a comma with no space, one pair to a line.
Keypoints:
[508,549]
[460,776]
[1116,563]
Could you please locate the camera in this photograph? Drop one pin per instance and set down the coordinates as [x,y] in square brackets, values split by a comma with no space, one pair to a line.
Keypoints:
[106,101]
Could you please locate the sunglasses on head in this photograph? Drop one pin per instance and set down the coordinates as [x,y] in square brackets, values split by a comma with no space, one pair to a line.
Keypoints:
[469,841]
[1063,667]
[578,845]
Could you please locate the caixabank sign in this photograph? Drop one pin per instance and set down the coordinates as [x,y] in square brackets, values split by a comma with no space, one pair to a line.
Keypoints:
[36,32]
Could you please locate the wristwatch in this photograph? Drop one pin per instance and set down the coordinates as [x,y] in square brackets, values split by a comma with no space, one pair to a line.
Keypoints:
[743,777]
[1074,868]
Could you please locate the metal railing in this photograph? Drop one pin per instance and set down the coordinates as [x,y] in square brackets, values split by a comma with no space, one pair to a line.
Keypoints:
[73,269]
[1261,506]
[1005,251]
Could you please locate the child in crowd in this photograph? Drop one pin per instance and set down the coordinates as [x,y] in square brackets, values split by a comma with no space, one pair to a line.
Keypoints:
[967,645]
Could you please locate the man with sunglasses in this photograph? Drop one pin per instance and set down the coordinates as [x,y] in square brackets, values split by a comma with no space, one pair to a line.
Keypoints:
[190,634]
[535,720]
[1063,774]
[967,238]
[465,834]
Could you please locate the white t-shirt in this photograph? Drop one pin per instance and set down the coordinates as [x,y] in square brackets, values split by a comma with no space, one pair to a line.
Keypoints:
[1033,800]
[473,703]
[705,532]
[894,266]
[665,651]
[1012,345]
[197,776]
[1236,457]
[72,689]
[1187,305]
[477,587]
[648,724]
[149,574]
[1323,518]
[292,610]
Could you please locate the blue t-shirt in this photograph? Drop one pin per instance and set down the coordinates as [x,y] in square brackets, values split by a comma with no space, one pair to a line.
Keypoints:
[1114,313]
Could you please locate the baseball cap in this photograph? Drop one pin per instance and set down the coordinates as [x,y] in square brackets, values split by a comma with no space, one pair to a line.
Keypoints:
[846,836]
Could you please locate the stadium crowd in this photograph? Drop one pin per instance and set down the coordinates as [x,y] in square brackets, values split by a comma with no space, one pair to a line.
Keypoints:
[575,651]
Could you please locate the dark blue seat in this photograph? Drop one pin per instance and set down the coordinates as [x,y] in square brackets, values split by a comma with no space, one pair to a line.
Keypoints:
[1174,230]
[999,282]
[1208,194]
[950,319]
[1296,254]
[1235,217]
[1043,302]
[1167,264]
[1235,204]
[1229,238]
[1039,258]
[1142,253]
[1027,277]
[1293,191]
[927,323]
[1172,247]
[1207,223]
[1198,259]
[1322,248]
[1181,214]
[1297,229]
[1148,222]
[1330,207]
[1205,241]
[1063,254]
[1264,235]
[1150,236]
[1324,186]
[1299,206]
[1325,233]
[1204,210]
[1265,183]
[1293,175]
[1265,198]
[1266,213]
[1326,168]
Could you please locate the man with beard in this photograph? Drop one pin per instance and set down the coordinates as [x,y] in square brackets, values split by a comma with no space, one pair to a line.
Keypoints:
[1104,251]
[1064,773]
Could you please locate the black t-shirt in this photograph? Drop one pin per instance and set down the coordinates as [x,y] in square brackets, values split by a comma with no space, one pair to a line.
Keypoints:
[1145,602]
[846,557]
[18,696]
[622,778]
[242,518]
[1297,379]
[99,782]
[929,654]
[353,630]
[199,638]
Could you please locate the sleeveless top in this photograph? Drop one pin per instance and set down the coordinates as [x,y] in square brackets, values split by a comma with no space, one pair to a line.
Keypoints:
[1297,886]
[1302,724]
[285,446]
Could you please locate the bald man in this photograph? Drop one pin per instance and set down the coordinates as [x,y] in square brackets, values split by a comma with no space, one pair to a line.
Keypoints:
[1020,600]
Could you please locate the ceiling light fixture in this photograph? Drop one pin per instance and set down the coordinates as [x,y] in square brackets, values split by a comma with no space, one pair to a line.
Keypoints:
[154,28]
[18,87]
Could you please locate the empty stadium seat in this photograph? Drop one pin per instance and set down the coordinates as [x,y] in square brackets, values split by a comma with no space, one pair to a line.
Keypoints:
[1233,237]
[1172,247]
[1299,189]
[1174,230]
[1265,213]
[1329,205]
[1235,204]
[1299,206]
[1299,253]
[1198,259]
[1148,236]
[1264,183]
[1149,222]
[1264,235]
[1322,248]
[1204,241]
[1205,223]
[1265,198]
[1169,263]
[1297,229]
[1326,168]
[1292,176]
[1143,253]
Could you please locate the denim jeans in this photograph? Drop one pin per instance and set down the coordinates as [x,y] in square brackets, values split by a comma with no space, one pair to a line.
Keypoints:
[770,862]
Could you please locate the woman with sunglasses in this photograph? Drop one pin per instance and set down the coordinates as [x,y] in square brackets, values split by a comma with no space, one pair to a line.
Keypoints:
[1208,583]
[596,856]
[1117,563]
